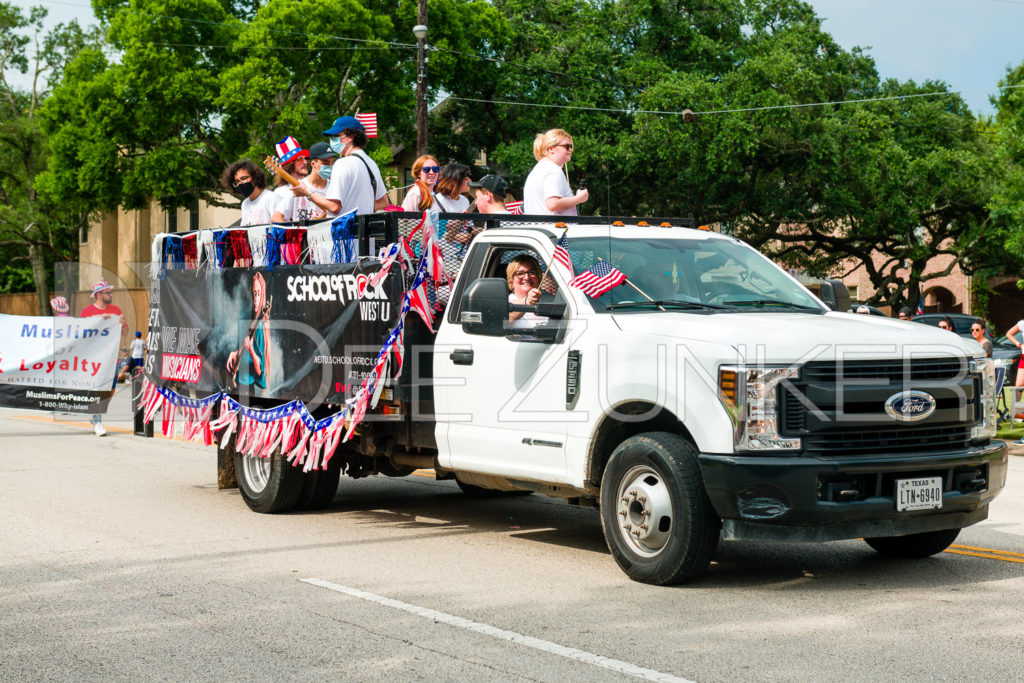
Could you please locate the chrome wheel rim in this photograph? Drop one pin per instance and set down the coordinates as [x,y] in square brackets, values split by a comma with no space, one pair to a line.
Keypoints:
[645,514]
[257,472]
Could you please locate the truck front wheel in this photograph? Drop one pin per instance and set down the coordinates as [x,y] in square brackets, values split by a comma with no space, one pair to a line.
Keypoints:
[657,519]
[268,484]
[914,546]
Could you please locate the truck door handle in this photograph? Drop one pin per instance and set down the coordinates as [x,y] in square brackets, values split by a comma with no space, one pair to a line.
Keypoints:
[462,356]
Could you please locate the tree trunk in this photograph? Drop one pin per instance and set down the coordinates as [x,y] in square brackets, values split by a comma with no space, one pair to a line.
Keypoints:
[35,257]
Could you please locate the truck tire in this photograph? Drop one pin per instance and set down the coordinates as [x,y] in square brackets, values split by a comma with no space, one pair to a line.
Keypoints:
[914,546]
[320,486]
[268,484]
[657,519]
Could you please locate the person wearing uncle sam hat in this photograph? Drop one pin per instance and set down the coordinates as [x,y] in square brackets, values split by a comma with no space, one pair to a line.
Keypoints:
[294,161]
[299,206]
[356,183]
[103,293]
[490,194]
[60,306]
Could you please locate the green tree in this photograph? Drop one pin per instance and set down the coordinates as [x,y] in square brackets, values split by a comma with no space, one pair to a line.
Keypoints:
[1007,201]
[35,231]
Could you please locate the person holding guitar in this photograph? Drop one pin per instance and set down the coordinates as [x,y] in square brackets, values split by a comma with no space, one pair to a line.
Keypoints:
[292,167]
[253,373]
[299,204]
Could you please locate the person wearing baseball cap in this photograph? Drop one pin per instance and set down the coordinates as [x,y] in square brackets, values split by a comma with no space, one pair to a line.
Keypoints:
[300,205]
[104,294]
[490,194]
[356,183]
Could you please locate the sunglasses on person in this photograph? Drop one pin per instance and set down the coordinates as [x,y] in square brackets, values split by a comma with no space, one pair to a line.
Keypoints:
[976,329]
[431,169]
[566,145]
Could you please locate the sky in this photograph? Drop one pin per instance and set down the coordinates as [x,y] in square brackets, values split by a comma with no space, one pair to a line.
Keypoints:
[968,44]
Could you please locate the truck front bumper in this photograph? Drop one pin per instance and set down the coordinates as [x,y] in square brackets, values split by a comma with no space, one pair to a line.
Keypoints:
[817,498]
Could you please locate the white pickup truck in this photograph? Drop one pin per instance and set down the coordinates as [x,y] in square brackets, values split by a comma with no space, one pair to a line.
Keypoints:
[712,396]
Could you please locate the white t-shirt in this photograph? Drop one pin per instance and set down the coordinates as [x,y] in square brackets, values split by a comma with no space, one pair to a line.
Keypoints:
[446,204]
[528,320]
[259,211]
[138,347]
[350,183]
[412,199]
[294,208]
[546,180]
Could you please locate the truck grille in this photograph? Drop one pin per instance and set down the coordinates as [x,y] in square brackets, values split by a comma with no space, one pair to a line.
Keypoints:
[847,415]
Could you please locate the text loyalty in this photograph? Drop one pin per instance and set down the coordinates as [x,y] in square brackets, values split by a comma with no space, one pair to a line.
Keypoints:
[74,365]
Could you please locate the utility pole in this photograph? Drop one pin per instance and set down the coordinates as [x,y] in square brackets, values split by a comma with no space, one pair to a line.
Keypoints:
[420,31]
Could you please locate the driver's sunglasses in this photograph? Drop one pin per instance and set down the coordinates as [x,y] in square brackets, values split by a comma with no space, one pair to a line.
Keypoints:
[525,273]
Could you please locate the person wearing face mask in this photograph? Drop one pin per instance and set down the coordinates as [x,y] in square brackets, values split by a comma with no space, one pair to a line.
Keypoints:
[356,183]
[546,191]
[245,179]
[301,204]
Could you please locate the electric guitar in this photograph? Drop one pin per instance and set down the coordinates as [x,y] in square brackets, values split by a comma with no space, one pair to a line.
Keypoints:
[241,347]
[274,166]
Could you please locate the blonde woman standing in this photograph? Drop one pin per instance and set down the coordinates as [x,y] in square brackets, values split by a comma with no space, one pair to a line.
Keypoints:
[547,190]
[421,195]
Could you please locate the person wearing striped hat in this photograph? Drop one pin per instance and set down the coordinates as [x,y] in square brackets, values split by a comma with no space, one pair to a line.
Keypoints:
[103,293]
[60,306]
[295,161]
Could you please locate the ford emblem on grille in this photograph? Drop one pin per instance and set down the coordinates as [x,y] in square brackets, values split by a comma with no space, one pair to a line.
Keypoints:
[910,406]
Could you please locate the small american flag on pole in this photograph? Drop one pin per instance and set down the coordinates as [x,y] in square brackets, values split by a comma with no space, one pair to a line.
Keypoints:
[561,255]
[515,208]
[599,279]
[369,122]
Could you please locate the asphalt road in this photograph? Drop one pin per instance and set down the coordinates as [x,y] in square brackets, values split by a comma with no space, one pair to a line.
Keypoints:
[120,560]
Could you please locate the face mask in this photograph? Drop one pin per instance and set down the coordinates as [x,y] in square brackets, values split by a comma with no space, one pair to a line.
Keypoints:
[325,172]
[245,189]
[336,145]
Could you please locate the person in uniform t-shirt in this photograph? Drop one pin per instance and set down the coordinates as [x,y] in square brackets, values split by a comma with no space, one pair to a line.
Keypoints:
[295,161]
[303,204]
[546,191]
[246,180]
[356,183]
[490,194]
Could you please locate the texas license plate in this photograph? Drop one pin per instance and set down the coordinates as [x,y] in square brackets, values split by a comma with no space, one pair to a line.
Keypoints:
[919,494]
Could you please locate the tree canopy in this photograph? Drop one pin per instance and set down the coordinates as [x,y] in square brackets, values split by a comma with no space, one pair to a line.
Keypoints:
[795,144]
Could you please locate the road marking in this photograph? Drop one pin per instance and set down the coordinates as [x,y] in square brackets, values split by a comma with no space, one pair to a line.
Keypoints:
[502,634]
[426,473]
[988,553]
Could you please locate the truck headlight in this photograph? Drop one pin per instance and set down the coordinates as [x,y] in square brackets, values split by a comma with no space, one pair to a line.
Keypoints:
[749,395]
[987,424]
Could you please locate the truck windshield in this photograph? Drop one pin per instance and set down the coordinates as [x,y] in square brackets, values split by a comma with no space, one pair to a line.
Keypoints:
[710,276]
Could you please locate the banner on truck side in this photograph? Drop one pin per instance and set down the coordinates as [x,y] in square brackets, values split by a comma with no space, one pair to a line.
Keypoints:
[64,364]
[291,332]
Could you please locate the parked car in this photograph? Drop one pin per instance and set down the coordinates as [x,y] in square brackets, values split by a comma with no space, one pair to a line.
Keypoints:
[1001,348]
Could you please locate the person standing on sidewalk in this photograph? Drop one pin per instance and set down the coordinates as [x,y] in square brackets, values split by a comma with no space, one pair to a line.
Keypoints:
[138,347]
[104,295]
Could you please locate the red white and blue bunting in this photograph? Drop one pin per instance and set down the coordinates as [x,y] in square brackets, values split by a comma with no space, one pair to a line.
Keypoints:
[302,439]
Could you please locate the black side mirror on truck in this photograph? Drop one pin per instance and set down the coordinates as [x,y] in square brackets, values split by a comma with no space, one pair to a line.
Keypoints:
[485,309]
[835,295]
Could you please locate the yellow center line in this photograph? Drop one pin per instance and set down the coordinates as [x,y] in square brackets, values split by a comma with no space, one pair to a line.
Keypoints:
[985,555]
[986,550]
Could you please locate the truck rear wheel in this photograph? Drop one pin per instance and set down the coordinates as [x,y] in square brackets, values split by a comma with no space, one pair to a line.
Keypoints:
[657,519]
[914,546]
[268,484]
[320,486]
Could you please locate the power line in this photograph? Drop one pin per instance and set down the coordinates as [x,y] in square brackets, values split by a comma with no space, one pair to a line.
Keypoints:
[865,100]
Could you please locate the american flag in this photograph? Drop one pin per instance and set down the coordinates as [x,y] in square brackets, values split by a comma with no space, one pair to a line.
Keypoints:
[369,122]
[599,279]
[562,252]
[515,207]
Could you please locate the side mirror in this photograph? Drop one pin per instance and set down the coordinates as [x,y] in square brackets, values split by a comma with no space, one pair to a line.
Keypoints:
[485,307]
[835,295]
